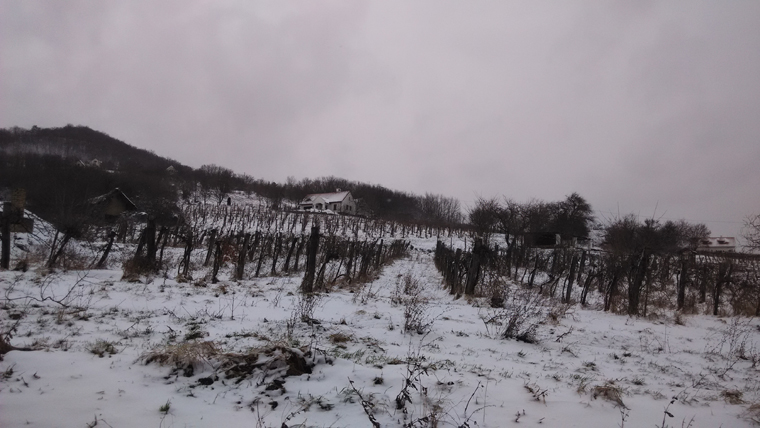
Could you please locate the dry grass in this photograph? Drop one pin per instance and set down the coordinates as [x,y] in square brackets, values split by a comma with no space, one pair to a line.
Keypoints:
[276,359]
[536,391]
[609,392]
[752,414]
[732,396]
[136,267]
[195,354]
[336,338]
[101,348]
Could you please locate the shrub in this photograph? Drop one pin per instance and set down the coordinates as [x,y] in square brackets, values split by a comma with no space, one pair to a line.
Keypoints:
[752,414]
[609,392]
[187,354]
[520,317]
[409,293]
[101,348]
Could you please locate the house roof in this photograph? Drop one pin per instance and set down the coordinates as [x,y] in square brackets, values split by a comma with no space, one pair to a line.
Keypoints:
[115,193]
[327,197]
[717,242]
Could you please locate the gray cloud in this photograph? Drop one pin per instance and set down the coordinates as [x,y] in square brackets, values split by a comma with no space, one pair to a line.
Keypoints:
[634,105]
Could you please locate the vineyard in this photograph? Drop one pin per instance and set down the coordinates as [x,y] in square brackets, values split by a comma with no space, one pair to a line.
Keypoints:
[692,282]
[242,315]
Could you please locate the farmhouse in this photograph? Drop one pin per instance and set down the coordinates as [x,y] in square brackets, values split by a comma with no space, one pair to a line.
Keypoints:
[720,244]
[338,201]
[112,204]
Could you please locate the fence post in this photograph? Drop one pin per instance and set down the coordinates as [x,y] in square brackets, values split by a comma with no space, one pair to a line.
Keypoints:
[571,277]
[683,278]
[474,270]
[211,241]
[242,258]
[5,259]
[307,286]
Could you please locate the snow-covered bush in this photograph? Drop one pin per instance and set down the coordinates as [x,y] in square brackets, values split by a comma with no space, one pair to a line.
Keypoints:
[523,311]
[410,294]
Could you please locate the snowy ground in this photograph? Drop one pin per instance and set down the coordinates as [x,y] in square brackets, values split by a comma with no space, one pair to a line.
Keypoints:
[591,369]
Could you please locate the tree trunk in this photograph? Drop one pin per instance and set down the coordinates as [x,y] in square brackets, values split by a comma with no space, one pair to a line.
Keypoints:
[59,251]
[261,257]
[299,248]
[150,241]
[276,252]
[5,222]
[582,266]
[634,288]
[186,256]
[611,290]
[240,268]
[586,286]
[165,234]
[104,257]
[724,275]
[210,252]
[217,262]
[532,276]
[254,246]
[456,285]
[290,254]
[307,286]
[473,271]
[571,277]
[683,279]
[379,255]
[703,285]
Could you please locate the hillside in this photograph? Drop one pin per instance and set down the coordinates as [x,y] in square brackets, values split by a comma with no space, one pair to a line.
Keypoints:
[75,143]
[63,167]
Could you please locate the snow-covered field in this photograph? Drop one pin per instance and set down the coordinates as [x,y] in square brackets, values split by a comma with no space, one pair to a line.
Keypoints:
[158,353]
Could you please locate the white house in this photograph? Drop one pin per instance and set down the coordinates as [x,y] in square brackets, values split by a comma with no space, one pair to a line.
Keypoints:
[339,202]
[722,244]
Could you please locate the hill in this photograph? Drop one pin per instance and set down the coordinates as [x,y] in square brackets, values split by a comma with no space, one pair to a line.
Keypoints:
[82,143]
[63,167]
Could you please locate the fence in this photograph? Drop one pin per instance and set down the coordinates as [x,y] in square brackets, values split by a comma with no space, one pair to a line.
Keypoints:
[632,283]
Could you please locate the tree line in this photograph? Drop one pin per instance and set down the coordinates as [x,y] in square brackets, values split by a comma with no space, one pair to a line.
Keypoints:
[636,266]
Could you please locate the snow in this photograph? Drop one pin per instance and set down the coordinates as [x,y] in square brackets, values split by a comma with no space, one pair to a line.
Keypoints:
[460,375]
[329,198]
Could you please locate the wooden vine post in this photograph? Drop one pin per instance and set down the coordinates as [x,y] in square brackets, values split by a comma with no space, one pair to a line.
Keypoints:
[307,286]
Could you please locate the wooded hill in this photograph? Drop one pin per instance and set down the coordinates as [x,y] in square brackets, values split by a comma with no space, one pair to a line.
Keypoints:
[61,168]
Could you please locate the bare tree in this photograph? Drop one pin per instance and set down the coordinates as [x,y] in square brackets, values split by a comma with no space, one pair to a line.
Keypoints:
[484,217]
[751,232]
[573,217]
[633,244]
[219,181]
[441,210]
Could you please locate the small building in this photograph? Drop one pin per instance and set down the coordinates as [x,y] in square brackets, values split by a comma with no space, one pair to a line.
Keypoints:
[338,201]
[541,239]
[112,204]
[95,163]
[719,244]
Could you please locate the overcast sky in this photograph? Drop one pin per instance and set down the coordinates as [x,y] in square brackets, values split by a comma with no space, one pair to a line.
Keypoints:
[645,107]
